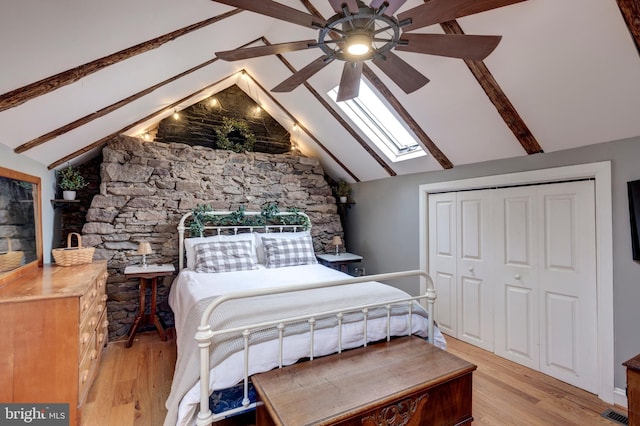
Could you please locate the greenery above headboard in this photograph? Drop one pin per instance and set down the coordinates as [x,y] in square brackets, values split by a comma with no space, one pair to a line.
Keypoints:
[268,216]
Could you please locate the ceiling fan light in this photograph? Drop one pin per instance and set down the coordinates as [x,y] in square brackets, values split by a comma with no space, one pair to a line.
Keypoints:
[359,44]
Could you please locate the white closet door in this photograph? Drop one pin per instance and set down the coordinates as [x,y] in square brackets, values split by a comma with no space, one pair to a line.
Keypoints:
[566,217]
[516,275]
[442,259]
[475,287]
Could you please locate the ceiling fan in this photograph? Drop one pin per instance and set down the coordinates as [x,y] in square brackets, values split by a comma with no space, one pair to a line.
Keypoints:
[357,33]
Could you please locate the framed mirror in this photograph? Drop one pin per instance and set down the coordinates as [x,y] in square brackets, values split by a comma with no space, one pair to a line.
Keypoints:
[20,224]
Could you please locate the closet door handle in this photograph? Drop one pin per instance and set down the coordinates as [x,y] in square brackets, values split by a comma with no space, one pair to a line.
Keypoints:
[517,276]
[470,268]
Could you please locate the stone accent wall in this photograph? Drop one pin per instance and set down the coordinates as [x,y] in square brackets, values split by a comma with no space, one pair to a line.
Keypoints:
[147,187]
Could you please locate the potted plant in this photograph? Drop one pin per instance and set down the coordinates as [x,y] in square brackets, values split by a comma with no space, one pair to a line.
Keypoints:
[343,190]
[70,180]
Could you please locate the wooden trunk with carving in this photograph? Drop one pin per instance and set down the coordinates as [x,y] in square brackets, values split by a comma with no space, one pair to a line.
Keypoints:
[405,382]
[55,328]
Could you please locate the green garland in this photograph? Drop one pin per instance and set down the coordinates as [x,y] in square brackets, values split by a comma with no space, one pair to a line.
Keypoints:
[268,215]
[231,125]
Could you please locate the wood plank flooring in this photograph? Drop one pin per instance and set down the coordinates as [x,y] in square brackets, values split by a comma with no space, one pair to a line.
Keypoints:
[133,384]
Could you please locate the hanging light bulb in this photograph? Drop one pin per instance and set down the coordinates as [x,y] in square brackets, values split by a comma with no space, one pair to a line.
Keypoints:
[359,44]
[176,116]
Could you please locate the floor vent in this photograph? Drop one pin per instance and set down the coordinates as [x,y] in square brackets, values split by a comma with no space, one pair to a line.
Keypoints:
[616,417]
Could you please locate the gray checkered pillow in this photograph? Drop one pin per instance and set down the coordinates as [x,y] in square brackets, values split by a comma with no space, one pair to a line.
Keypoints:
[288,252]
[224,256]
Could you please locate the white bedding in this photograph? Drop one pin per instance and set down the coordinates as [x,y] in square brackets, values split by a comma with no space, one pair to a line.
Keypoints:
[190,287]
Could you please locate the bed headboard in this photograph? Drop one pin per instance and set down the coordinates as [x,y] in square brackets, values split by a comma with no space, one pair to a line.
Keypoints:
[227,222]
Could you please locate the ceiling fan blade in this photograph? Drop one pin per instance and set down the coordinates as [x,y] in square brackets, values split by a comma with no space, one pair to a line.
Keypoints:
[350,81]
[276,10]
[272,49]
[473,47]
[393,7]
[352,5]
[436,11]
[303,75]
[404,75]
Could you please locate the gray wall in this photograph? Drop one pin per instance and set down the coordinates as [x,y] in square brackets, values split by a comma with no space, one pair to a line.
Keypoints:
[383,226]
[20,163]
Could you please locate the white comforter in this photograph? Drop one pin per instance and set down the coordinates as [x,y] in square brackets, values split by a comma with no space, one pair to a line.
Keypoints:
[192,291]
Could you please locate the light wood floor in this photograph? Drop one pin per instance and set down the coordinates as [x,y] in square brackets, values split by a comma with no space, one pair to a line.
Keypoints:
[133,384]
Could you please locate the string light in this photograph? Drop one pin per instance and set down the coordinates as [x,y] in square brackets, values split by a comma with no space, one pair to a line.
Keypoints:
[176,116]
[146,136]
[213,102]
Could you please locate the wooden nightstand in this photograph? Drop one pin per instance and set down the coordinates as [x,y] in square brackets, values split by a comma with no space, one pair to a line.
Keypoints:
[633,389]
[340,261]
[148,275]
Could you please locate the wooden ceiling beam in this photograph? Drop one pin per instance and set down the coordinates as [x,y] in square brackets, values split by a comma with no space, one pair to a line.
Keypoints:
[23,94]
[493,90]
[102,141]
[104,111]
[427,142]
[631,13]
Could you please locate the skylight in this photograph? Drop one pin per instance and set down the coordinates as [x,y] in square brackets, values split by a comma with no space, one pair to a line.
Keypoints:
[379,124]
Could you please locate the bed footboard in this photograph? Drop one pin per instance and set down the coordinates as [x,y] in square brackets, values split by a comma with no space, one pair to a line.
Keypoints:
[205,334]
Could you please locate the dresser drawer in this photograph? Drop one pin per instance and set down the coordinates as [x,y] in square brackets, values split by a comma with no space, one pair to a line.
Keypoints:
[87,300]
[102,332]
[86,367]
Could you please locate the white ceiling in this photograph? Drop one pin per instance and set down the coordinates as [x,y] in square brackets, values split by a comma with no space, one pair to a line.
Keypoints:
[570,69]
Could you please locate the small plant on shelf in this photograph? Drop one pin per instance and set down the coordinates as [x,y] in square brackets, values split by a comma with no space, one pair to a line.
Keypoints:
[343,190]
[70,180]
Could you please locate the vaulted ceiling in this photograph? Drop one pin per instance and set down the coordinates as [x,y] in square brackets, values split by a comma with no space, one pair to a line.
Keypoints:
[75,73]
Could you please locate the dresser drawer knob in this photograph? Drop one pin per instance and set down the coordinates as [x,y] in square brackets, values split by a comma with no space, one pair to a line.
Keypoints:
[94,354]
[85,338]
[85,376]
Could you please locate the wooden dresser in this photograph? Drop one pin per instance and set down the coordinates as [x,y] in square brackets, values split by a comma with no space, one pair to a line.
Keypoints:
[54,326]
[404,382]
[633,390]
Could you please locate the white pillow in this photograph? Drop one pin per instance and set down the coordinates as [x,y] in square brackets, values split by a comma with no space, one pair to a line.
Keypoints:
[190,243]
[279,235]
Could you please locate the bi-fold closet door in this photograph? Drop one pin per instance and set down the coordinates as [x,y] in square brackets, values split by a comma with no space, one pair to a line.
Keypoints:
[515,273]
[460,265]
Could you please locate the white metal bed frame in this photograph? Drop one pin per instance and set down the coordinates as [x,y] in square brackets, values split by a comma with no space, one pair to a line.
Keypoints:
[205,334]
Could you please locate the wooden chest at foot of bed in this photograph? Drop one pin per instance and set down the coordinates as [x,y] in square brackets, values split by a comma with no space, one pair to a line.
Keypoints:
[403,382]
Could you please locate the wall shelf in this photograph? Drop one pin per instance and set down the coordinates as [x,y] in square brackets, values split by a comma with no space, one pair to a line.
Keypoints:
[63,203]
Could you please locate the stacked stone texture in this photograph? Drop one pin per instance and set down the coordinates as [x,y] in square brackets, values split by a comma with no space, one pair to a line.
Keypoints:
[146,187]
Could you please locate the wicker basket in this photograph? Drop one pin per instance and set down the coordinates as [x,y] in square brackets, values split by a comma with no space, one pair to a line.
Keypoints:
[11,259]
[71,256]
